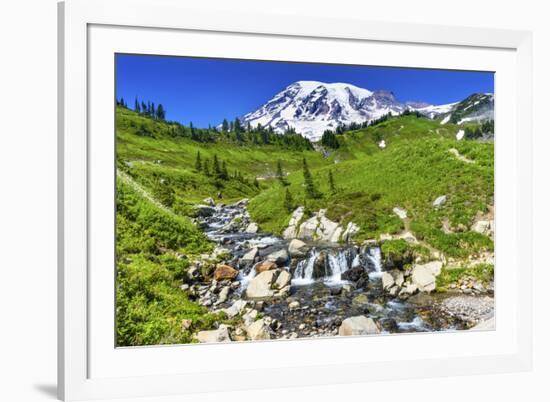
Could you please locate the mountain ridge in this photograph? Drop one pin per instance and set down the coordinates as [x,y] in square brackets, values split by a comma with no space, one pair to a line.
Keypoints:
[312,107]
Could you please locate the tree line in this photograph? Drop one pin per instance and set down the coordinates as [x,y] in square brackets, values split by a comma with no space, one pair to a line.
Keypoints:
[148,108]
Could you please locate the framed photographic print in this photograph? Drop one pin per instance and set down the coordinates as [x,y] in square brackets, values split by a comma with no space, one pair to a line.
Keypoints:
[299,204]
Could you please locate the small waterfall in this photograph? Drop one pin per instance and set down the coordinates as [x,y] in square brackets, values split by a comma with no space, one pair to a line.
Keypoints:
[304,270]
[374,255]
[327,265]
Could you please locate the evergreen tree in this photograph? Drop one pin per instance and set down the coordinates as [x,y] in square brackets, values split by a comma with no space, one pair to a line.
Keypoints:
[237,126]
[225,126]
[280,175]
[329,140]
[331,182]
[216,166]
[153,110]
[224,173]
[288,201]
[198,162]
[143,107]
[137,107]
[161,113]
[310,189]
[206,168]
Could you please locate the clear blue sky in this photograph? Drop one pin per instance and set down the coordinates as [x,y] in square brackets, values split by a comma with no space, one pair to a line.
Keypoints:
[205,91]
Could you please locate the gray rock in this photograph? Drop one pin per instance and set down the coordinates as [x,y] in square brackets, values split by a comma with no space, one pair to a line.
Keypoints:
[439,201]
[292,230]
[351,230]
[205,211]
[222,297]
[217,335]
[278,257]
[260,286]
[297,248]
[400,212]
[252,228]
[359,325]
[249,257]
[259,330]
[283,280]
[387,281]
[294,305]
[236,308]
[483,227]
[423,276]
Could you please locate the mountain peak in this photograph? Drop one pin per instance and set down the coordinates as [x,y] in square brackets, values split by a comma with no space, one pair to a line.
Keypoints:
[311,107]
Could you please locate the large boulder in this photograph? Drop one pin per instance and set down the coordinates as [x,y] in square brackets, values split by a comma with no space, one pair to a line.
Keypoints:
[249,257]
[424,275]
[359,325]
[265,266]
[268,284]
[387,280]
[353,274]
[283,280]
[358,275]
[225,272]
[308,229]
[217,335]
[297,248]
[259,330]
[292,230]
[327,230]
[278,257]
[260,286]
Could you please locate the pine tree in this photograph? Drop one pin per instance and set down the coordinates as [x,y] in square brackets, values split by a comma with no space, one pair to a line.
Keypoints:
[225,126]
[224,173]
[331,182]
[237,126]
[143,107]
[137,108]
[153,110]
[198,162]
[310,189]
[161,113]
[280,175]
[216,166]
[205,167]
[288,201]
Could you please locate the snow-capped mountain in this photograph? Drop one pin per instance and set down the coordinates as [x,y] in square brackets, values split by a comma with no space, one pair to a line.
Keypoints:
[311,107]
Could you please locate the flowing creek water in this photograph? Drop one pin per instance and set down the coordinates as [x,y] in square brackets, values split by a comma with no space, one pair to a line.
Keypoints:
[324,297]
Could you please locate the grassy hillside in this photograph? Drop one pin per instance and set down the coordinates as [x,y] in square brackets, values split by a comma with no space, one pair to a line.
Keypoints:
[160,159]
[150,305]
[159,181]
[415,168]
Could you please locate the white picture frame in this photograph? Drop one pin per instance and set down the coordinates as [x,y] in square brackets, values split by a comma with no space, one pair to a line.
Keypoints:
[90,31]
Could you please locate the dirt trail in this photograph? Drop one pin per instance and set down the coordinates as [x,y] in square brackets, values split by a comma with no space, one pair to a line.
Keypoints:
[460,157]
[138,188]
